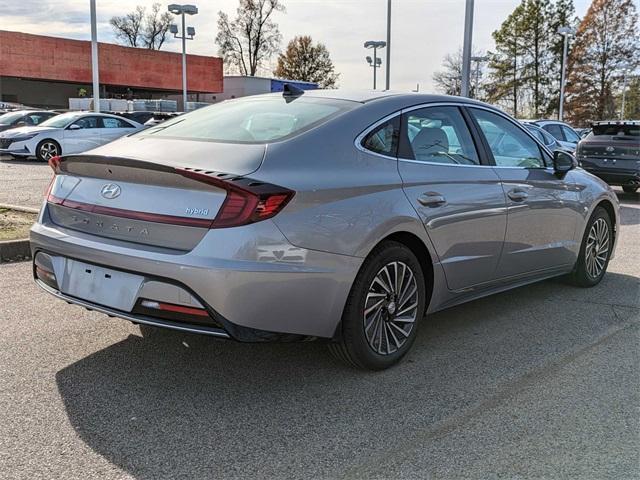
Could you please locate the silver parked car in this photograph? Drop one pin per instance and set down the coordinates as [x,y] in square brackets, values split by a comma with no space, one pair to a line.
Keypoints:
[325,214]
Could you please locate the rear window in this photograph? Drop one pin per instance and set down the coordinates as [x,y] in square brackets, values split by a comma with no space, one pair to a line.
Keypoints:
[617,130]
[252,120]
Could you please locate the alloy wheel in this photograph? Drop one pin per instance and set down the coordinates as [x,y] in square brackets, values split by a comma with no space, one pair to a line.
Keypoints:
[48,150]
[597,249]
[391,308]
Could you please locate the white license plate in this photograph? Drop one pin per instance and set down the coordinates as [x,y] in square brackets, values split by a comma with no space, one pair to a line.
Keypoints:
[103,286]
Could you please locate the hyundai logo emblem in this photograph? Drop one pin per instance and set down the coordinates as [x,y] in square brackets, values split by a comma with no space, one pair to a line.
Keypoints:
[111,190]
[610,149]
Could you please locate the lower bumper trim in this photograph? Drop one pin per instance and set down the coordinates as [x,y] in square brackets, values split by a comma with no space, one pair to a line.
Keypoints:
[215,332]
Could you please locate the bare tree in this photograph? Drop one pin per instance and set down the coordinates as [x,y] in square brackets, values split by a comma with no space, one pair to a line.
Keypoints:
[141,29]
[251,38]
[449,79]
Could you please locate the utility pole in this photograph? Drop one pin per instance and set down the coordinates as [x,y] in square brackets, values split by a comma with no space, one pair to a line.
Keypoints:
[466,49]
[566,32]
[94,58]
[388,71]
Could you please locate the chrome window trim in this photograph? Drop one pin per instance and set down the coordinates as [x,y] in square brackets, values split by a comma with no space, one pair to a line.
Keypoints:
[364,133]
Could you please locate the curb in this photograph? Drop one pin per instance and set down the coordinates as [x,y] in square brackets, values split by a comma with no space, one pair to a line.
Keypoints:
[18,208]
[14,250]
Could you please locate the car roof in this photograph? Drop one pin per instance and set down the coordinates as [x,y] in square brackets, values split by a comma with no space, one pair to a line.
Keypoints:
[634,123]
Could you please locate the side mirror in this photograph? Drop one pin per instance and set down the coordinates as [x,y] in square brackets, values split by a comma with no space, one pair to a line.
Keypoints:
[563,161]
[75,126]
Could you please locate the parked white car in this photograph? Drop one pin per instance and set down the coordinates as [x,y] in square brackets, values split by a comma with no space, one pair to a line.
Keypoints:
[72,132]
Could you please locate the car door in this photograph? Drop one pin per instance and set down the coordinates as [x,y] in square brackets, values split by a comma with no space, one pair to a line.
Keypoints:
[460,200]
[114,128]
[82,135]
[542,207]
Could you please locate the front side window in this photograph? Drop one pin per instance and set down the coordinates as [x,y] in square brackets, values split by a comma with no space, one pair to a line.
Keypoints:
[555,131]
[384,138]
[88,122]
[437,134]
[510,145]
[252,120]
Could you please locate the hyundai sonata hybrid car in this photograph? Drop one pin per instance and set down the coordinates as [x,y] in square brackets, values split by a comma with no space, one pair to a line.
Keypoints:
[71,132]
[318,215]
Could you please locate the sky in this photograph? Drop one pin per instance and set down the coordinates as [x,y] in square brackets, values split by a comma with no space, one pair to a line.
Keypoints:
[423,31]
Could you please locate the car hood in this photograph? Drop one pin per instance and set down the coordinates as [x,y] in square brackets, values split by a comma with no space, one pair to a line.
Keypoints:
[16,132]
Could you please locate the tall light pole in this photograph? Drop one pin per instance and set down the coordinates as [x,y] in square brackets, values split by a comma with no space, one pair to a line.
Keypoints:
[375,62]
[478,61]
[388,71]
[190,31]
[94,58]
[566,32]
[466,49]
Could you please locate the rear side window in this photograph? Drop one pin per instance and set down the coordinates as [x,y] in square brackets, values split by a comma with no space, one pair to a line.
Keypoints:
[109,122]
[252,120]
[554,130]
[570,135]
[384,138]
[437,134]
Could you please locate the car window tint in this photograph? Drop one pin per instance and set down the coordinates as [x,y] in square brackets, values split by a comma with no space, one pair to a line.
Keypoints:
[510,145]
[109,122]
[36,118]
[548,139]
[555,131]
[88,122]
[437,134]
[537,133]
[384,138]
[570,135]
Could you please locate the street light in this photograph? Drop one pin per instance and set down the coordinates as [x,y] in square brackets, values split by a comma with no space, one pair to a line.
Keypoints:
[478,61]
[388,72]
[94,58]
[566,32]
[187,34]
[466,49]
[375,62]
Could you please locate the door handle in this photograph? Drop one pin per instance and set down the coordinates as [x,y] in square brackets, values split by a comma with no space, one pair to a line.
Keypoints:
[431,199]
[517,195]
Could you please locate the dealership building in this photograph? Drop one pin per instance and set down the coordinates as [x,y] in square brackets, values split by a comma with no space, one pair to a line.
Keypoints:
[42,71]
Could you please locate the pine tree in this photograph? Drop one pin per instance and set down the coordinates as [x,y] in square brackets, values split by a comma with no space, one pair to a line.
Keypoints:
[606,43]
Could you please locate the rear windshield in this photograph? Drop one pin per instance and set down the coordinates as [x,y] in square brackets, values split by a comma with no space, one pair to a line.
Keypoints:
[252,120]
[617,130]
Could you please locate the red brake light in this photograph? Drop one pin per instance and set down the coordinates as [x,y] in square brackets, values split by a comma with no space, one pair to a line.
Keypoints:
[247,200]
[54,163]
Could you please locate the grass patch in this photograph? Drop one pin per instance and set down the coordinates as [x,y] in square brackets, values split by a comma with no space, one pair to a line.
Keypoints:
[15,225]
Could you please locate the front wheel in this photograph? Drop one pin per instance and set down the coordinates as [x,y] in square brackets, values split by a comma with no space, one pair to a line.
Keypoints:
[384,307]
[595,250]
[629,189]
[47,149]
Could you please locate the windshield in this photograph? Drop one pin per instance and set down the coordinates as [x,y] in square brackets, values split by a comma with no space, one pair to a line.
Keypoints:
[622,130]
[255,120]
[9,118]
[61,121]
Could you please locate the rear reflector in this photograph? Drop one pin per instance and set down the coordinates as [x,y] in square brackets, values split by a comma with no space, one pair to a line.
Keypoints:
[170,307]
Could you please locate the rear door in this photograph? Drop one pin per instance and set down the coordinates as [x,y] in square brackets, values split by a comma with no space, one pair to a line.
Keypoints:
[113,128]
[86,137]
[460,200]
[542,208]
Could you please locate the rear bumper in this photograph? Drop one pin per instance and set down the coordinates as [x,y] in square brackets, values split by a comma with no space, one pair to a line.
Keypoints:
[239,275]
[619,178]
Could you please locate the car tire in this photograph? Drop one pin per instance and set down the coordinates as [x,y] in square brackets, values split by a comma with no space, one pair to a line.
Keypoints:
[386,303]
[629,189]
[46,149]
[595,250]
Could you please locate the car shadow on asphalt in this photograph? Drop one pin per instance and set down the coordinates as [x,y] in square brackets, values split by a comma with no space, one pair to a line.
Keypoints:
[169,404]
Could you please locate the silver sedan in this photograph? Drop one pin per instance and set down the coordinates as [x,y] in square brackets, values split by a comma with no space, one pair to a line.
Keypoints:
[329,215]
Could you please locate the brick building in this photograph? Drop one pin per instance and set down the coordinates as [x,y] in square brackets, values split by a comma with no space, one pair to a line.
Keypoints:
[45,71]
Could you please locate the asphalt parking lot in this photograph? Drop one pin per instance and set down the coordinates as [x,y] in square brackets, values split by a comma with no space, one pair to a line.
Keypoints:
[539,382]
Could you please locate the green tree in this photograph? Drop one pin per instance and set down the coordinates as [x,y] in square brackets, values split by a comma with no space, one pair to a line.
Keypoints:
[606,43]
[250,39]
[307,62]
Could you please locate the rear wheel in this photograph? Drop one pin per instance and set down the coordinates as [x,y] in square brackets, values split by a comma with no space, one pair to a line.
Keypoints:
[385,305]
[595,250]
[629,189]
[47,149]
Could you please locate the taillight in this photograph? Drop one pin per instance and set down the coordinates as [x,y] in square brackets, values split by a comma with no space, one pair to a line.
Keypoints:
[54,163]
[247,200]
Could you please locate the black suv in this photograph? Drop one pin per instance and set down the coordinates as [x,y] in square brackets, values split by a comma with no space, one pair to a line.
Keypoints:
[612,152]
